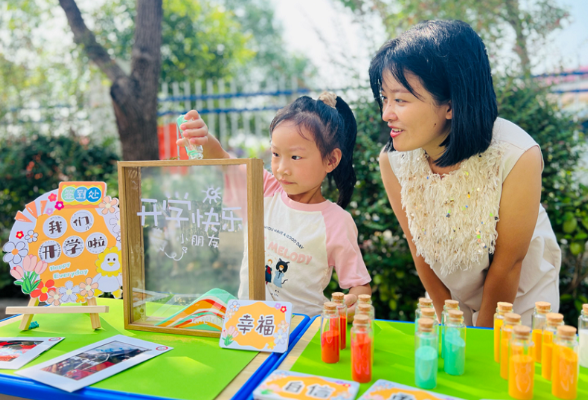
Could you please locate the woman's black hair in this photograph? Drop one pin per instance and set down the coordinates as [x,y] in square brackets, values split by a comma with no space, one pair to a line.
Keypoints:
[451,62]
[331,128]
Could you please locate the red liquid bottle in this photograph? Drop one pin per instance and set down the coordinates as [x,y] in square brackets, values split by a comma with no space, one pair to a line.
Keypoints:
[361,349]
[330,325]
[339,299]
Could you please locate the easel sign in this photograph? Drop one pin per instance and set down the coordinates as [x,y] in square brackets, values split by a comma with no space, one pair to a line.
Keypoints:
[192,235]
[64,248]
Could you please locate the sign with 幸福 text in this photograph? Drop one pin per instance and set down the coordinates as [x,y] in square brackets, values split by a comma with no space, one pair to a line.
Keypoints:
[282,385]
[257,325]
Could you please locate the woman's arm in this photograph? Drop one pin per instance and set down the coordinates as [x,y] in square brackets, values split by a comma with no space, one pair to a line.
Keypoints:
[519,207]
[433,285]
[196,131]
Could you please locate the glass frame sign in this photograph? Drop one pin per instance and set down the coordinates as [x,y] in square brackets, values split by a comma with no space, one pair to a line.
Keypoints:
[192,240]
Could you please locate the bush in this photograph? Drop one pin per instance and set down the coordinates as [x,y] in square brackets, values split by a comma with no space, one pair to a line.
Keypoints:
[395,282]
[31,166]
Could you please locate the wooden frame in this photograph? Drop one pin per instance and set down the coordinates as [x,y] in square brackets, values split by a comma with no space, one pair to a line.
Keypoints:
[129,178]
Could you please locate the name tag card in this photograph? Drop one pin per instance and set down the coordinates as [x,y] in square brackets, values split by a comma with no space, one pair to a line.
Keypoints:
[293,385]
[384,390]
[257,325]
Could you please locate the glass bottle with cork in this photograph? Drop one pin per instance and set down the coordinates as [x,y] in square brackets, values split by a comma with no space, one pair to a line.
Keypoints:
[339,299]
[366,309]
[426,356]
[565,368]
[583,334]
[361,337]
[501,309]
[449,305]
[510,321]
[538,322]
[521,368]
[423,303]
[553,321]
[195,152]
[431,314]
[455,343]
[367,299]
[330,333]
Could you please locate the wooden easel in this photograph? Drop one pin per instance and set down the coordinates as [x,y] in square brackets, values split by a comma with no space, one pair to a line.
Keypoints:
[33,308]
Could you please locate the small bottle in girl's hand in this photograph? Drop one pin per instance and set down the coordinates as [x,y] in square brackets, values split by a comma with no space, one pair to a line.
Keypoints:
[194,151]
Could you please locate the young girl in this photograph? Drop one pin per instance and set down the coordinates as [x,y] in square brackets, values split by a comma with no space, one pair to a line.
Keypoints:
[306,235]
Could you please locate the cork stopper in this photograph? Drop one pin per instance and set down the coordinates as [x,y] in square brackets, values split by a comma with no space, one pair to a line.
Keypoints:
[543,306]
[425,325]
[504,306]
[554,318]
[451,304]
[364,308]
[365,298]
[585,309]
[522,331]
[338,297]
[455,315]
[330,306]
[566,332]
[424,302]
[512,318]
[361,320]
[428,312]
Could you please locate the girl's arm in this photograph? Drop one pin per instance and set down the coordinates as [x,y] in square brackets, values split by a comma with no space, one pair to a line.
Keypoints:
[196,131]
[519,208]
[433,285]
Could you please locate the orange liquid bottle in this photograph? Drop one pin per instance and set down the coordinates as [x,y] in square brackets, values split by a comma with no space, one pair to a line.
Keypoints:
[510,321]
[553,321]
[361,349]
[564,376]
[330,333]
[339,299]
[521,369]
[538,322]
[501,309]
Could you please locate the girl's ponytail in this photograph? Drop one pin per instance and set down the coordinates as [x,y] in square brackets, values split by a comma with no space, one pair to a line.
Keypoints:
[333,125]
[344,174]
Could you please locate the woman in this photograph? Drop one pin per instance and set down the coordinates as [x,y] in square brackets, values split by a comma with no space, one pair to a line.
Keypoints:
[464,184]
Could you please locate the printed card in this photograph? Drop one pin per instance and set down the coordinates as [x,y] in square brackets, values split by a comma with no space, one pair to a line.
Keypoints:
[257,325]
[294,385]
[16,352]
[386,390]
[93,363]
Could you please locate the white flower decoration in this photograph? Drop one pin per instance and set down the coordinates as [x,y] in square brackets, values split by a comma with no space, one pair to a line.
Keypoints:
[14,252]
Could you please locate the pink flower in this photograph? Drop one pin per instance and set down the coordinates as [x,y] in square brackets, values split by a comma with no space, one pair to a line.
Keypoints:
[232,332]
[87,288]
[19,235]
[108,205]
[53,297]
[52,197]
[32,263]
[29,262]
[59,205]
[17,272]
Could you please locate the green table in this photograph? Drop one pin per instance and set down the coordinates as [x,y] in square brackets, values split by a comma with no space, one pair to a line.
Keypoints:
[196,368]
[394,361]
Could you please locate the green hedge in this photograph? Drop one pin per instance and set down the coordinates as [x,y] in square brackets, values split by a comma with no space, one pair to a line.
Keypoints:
[31,166]
[395,282]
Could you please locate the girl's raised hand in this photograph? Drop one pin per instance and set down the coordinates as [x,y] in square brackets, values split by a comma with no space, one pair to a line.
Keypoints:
[194,130]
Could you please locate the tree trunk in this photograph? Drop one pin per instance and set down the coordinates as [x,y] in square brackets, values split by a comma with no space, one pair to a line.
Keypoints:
[514,19]
[134,97]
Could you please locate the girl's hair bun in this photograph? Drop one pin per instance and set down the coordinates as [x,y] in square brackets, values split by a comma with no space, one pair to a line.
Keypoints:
[329,98]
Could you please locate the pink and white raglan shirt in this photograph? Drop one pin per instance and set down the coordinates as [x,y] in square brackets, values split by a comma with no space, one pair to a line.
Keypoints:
[303,243]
